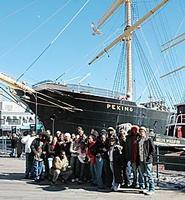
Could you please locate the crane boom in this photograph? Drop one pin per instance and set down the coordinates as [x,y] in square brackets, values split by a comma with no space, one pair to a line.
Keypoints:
[129,30]
[108,13]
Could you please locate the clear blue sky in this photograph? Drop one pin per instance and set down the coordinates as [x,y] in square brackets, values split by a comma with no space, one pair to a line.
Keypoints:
[25,33]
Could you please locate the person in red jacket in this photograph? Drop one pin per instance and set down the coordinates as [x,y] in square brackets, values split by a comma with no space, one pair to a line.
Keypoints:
[91,157]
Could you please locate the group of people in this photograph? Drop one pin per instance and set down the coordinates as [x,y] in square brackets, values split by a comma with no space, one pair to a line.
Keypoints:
[106,159]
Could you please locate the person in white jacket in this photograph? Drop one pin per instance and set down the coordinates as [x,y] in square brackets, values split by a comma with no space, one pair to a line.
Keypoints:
[27,140]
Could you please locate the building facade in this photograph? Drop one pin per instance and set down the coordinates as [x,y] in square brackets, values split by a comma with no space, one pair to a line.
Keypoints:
[14,116]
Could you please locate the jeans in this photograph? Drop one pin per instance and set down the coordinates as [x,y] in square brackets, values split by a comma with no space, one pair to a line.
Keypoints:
[80,169]
[13,153]
[93,173]
[112,169]
[37,169]
[126,173]
[147,178]
[74,167]
[99,170]
[135,174]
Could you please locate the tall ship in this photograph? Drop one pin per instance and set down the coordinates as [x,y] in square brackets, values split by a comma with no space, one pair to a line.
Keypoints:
[66,106]
[175,127]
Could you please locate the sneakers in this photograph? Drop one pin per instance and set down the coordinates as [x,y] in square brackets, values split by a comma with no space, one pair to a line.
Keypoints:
[53,183]
[150,193]
[80,182]
[26,177]
[116,187]
[146,192]
[133,186]
[37,179]
[125,186]
[72,180]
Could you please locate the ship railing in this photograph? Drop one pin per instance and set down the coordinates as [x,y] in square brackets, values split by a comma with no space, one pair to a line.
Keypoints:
[84,89]
[42,82]
[156,105]
[175,121]
[172,119]
[180,121]
[181,118]
[94,91]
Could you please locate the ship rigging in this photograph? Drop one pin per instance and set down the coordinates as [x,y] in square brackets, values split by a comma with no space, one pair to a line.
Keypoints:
[90,107]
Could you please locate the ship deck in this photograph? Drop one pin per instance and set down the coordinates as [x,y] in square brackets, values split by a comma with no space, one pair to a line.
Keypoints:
[78,89]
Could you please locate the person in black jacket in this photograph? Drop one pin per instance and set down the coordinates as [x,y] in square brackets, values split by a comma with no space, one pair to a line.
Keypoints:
[14,141]
[123,142]
[146,153]
[115,157]
[104,148]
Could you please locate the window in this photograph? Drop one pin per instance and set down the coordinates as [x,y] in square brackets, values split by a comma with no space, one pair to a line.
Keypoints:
[31,120]
[8,119]
[24,120]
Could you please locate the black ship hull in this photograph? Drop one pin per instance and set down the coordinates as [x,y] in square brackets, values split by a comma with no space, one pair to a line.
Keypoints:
[95,111]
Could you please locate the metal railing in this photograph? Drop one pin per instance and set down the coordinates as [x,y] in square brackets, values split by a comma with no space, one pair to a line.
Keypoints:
[170,162]
[5,145]
[94,91]
[81,89]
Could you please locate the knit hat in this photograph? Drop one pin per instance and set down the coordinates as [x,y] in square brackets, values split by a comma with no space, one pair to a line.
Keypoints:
[142,128]
[103,131]
[125,126]
[111,129]
[67,135]
[135,129]
[95,133]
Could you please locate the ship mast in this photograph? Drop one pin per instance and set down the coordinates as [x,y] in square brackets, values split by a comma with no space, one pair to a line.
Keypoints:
[126,36]
[128,41]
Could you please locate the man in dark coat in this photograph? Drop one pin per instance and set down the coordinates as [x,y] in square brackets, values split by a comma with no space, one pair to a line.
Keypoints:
[132,155]
[122,140]
[115,157]
[14,141]
[146,153]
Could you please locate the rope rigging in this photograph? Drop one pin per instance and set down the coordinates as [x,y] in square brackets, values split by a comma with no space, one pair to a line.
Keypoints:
[89,55]
[35,29]
[18,11]
[169,59]
[156,64]
[150,78]
[119,80]
[55,39]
